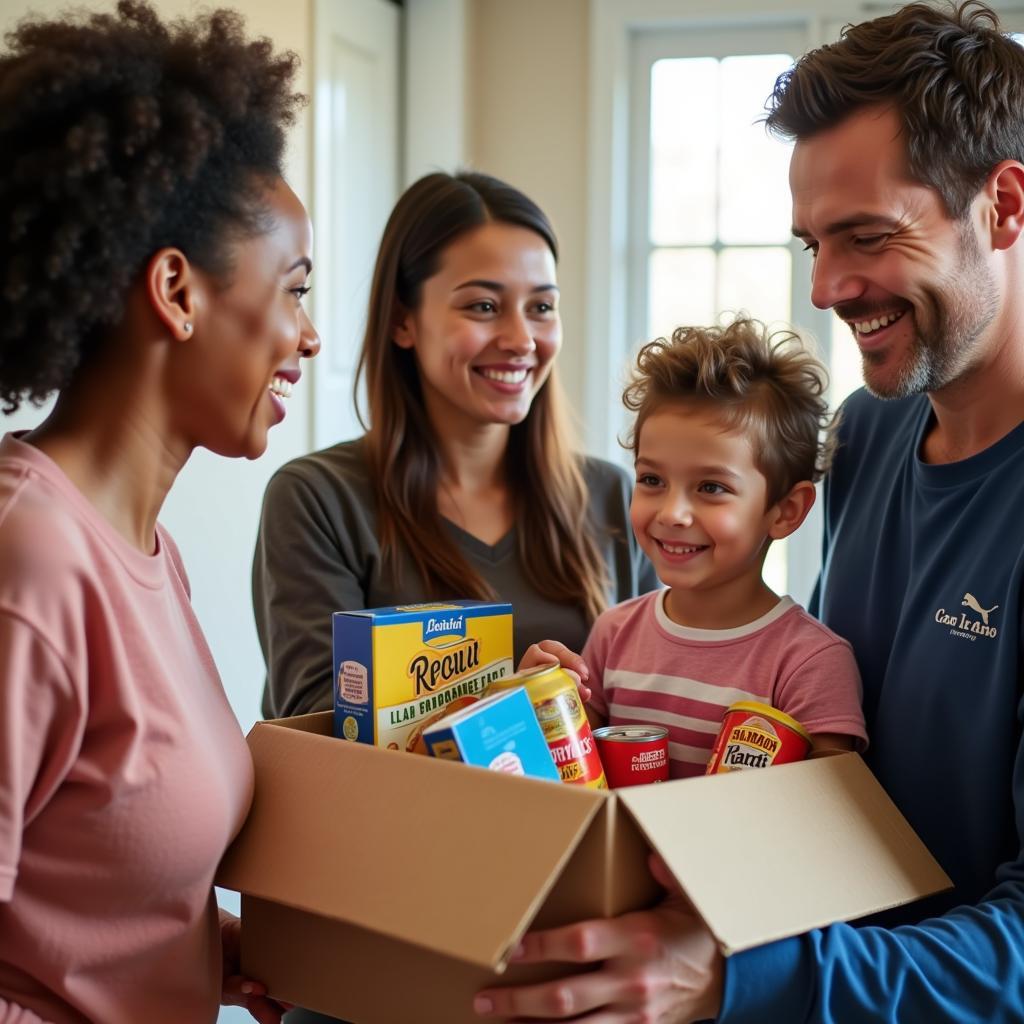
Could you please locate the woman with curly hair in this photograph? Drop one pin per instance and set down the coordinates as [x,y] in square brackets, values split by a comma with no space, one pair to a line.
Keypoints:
[466,483]
[152,268]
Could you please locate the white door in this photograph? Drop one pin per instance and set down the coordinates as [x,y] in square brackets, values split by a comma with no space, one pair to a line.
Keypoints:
[355,184]
[354,85]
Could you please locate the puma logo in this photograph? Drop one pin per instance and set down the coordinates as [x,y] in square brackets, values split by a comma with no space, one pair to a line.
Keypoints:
[969,628]
[970,601]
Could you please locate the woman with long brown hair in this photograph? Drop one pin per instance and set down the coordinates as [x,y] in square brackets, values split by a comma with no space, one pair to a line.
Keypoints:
[466,483]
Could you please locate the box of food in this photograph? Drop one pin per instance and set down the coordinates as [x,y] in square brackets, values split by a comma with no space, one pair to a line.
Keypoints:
[383,888]
[397,670]
[500,733]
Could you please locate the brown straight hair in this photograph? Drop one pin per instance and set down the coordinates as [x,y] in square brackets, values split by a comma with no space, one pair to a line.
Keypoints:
[555,543]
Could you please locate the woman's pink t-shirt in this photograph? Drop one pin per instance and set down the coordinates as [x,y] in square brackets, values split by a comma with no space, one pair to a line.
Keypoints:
[123,772]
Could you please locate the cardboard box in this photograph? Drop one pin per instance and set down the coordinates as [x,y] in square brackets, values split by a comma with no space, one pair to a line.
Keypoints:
[385,888]
[396,670]
[500,733]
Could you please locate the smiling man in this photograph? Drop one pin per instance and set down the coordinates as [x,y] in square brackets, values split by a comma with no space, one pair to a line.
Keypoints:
[910,280]
[908,186]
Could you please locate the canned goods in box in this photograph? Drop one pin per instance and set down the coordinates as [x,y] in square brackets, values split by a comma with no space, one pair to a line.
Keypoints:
[557,705]
[633,754]
[757,735]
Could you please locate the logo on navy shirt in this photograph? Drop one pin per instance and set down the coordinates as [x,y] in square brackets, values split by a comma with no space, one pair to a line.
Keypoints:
[969,626]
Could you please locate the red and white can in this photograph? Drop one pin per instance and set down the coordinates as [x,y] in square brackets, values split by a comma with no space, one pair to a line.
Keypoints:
[633,754]
[757,735]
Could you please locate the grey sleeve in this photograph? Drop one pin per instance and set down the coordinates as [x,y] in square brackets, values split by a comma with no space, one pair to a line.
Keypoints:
[644,574]
[611,489]
[304,569]
[647,578]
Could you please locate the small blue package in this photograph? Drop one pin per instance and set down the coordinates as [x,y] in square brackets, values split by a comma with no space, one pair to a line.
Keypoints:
[500,733]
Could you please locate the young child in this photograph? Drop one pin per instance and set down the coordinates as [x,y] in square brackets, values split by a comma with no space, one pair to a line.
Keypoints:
[731,432]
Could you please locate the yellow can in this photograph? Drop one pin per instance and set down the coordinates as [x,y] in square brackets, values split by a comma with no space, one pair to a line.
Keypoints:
[557,705]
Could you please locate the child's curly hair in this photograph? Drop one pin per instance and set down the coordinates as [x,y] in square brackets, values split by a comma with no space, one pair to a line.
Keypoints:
[765,384]
[121,135]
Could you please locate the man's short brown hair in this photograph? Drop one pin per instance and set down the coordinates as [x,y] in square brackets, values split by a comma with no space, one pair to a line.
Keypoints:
[955,81]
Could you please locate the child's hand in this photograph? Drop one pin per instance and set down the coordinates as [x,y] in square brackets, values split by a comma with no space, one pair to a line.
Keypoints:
[552,652]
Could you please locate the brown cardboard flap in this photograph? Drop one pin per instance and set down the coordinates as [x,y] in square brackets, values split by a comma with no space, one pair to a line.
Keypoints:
[318,723]
[767,854]
[445,856]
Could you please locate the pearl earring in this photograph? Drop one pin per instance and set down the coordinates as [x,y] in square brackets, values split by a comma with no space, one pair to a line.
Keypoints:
[187,326]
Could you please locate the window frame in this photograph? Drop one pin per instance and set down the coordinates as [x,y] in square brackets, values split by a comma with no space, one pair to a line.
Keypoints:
[646,49]
[617,211]
[802,550]
[612,120]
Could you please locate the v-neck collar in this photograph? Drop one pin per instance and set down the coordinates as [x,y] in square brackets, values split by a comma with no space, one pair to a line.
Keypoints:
[487,552]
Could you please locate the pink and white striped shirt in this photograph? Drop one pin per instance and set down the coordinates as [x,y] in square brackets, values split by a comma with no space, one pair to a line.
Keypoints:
[645,668]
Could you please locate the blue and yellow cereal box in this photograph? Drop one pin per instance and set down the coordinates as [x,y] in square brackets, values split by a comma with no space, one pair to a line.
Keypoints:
[397,670]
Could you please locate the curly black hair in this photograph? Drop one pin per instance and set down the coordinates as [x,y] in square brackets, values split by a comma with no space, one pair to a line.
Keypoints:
[122,134]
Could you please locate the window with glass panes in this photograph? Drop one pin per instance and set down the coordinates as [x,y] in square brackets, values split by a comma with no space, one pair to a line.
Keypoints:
[712,229]
[718,223]
[709,206]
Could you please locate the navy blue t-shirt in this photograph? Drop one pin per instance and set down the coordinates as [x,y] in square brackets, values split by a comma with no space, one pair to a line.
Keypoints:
[923,571]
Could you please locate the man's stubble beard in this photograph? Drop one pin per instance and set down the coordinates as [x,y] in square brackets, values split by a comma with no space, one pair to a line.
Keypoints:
[960,309]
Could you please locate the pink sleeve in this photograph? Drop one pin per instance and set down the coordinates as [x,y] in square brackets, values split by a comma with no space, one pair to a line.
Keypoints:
[595,653]
[169,543]
[824,693]
[39,733]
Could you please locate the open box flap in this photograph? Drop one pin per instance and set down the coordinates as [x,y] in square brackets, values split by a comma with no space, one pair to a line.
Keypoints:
[767,854]
[445,856]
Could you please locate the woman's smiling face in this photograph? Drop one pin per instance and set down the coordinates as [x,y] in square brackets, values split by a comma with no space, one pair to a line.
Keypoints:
[487,326]
[250,335]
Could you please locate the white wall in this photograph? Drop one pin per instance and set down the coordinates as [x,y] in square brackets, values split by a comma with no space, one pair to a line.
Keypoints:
[436,83]
[527,95]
